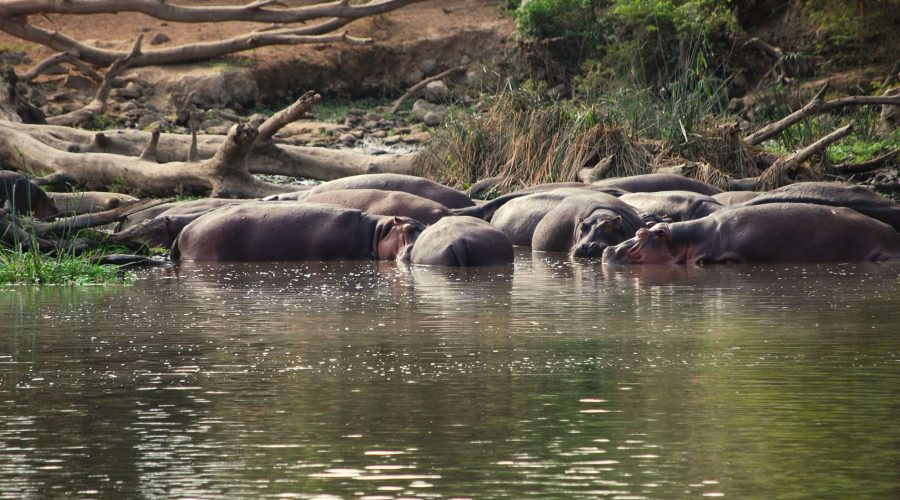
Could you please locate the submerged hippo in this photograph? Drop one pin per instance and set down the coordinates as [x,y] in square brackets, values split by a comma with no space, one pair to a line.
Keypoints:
[677,206]
[447,196]
[88,202]
[378,202]
[462,242]
[585,226]
[25,197]
[519,217]
[777,232]
[265,231]
[649,183]
[859,198]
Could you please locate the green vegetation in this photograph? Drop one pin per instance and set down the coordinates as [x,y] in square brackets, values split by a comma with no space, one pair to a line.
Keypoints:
[18,266]
[335,109]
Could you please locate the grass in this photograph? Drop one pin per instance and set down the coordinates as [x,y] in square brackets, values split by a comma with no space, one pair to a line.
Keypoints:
[20,267]
[335,109]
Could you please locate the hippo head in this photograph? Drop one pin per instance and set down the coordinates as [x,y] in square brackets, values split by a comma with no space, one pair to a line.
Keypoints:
[649,246]
[44,208]
[394,234]
[596,232]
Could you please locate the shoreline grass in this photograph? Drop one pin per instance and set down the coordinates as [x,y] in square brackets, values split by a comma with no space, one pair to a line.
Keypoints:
[21,267]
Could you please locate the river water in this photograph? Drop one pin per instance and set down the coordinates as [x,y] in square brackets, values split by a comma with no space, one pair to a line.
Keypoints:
[373,380]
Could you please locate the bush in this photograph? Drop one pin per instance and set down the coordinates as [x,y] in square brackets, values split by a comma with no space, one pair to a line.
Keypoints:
[543,19]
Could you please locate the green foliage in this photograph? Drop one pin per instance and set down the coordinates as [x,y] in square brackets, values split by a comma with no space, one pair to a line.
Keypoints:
[18,266]
[335,109]
[557,18]
[691,18]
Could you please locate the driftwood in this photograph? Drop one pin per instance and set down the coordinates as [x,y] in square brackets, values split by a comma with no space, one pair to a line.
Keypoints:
[785,169]
[98,105]
[419,86]
[866,166]
[60,58]
[816,106]
[13,20]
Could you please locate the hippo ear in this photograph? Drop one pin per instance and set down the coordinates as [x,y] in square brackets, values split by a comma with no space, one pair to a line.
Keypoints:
[642,234]
[662,229]
[397,221]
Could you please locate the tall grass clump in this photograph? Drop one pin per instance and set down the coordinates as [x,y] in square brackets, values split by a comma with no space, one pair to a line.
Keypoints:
[528,139]
[23,267]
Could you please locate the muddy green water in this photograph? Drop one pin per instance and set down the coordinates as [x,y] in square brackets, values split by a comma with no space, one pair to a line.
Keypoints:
[555,380]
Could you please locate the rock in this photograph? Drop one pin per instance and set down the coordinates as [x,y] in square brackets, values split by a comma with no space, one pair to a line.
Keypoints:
[432,119]
[159,39]
[374,117]
[257,119]
[347,139]
[416,138]
[394,139]
[436,92]
[422,107]
[370,125]
[13,57]
[76,82]
[211,123]
[128,106]
[148,119]
[379,134]
[427,66]
[212,87]
[130,91]
[890,115]
[218,129]
[413,77]
[359,134]
[464,60]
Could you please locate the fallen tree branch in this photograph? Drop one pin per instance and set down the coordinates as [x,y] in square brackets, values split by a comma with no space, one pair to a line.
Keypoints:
[419,86]
[98,105]
[161,9]
[182,53]
[60,58]
[265,158]
[783,171]
[866,166]
[287,115]
[814,107]
[69,225]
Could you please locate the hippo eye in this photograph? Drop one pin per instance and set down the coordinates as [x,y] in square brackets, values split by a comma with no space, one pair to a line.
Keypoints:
[585,227]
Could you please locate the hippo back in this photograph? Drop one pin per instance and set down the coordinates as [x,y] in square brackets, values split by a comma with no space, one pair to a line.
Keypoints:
[835,194]
[447,196]
[735,197]
[677,206]
[378,202]
[462,242]
[265,231]
[648,183]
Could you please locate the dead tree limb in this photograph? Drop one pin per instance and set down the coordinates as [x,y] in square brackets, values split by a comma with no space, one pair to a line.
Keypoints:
[287,115]
[60,58]
[782,171]
[98,105]
[182,53]
[419,86]
[815,107]
[160,9]
[69,225]
[866,166]
[265,158]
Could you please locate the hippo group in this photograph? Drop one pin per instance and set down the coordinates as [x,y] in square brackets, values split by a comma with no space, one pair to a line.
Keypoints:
[645,219]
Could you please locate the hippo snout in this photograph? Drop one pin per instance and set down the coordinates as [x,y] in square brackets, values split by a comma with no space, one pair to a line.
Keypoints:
[592,249]
[616,254]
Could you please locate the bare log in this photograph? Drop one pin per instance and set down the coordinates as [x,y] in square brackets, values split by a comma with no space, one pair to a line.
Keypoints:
[182,53]
[866,166]
[772,50]
[287,115]
[94,170]
[815,107]
[419,86]
[60,58]
[160,9]
[69,225]
[595,173]
[98,105]
[782,171]
[149,153]
[265,158]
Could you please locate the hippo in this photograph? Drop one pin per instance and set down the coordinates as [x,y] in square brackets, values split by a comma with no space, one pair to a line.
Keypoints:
[160,231]
[88,202]
[677,206]
[461,241]
[650,183]
[425,188]
[735,197]
[25,197]
[771,233]
[292,196]
[585,226]
[835,194]
[265,231]
[487,210]
[199,206]
[378,202]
